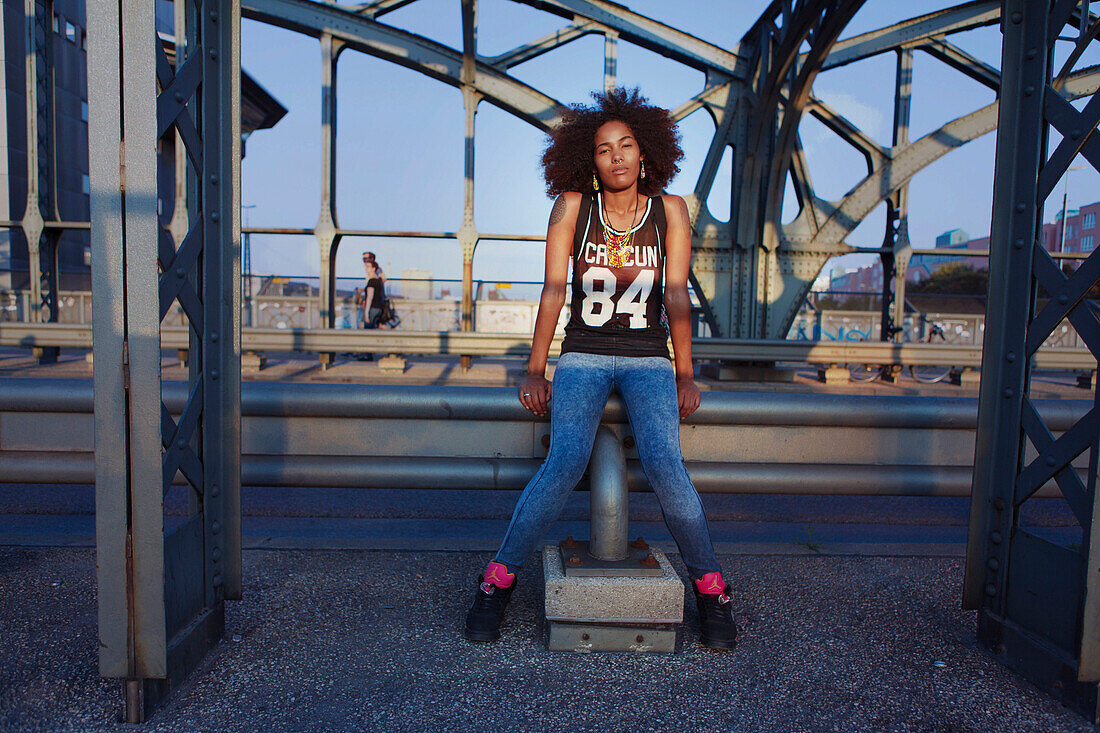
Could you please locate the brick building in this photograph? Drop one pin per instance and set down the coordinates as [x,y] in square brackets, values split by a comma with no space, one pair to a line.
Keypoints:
[1082,234]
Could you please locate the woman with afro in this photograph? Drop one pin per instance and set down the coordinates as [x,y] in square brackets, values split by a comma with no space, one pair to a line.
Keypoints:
[629,248]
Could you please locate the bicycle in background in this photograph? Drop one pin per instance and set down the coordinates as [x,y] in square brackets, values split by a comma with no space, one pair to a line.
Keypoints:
[925,374]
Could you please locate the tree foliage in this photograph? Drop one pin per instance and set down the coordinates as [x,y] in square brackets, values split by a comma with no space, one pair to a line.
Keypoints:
[954,279]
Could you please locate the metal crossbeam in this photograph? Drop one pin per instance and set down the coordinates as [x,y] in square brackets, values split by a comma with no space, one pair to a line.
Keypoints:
[406,49]
[914,31]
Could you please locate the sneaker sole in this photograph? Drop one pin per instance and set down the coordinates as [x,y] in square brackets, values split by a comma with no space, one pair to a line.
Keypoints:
[480,635]
[720,644]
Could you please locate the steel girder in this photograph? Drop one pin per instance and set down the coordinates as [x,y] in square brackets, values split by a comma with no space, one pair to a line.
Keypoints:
[752,272]
[1038,600]
[162,587]
[362,33]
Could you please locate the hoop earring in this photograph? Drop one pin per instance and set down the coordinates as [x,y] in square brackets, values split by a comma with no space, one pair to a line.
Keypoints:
[595,183]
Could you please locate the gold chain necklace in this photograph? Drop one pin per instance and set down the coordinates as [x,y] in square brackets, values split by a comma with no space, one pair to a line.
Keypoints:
[619,245]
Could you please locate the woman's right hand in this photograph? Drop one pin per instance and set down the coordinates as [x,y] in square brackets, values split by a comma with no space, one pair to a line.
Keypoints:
[534,394]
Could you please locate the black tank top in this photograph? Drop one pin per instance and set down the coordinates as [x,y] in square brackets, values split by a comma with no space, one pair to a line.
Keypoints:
[617,311]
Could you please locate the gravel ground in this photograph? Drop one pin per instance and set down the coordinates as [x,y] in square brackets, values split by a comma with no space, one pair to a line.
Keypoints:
[334,641]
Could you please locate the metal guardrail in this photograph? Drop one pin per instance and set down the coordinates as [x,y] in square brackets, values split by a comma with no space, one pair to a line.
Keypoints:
[434,437]
[321,340]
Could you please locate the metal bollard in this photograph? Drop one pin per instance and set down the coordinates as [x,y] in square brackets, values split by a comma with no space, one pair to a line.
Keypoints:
[607,482]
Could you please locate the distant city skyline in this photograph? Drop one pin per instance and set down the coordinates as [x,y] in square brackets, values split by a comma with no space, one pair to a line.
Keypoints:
[1081,235]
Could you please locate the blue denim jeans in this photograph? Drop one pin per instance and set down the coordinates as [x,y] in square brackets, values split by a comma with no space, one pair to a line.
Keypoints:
[582,384]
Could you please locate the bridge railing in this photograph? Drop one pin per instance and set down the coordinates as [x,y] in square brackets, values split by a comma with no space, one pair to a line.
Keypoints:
[439,437]
[323,340]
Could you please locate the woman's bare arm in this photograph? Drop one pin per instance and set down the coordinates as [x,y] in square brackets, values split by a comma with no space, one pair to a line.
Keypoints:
[559,248]
[677,303]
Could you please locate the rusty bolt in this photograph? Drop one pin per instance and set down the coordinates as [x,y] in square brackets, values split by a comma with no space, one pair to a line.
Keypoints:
[569,543]
[573,560]
[650,561]
[639,544]
[584,637]
[639,638]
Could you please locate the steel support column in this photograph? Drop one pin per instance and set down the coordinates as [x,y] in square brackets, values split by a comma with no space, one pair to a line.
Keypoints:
[161,594]
[607,482]
[467,233]
[328,238]
[1034,596]
[896,248]
[610,60]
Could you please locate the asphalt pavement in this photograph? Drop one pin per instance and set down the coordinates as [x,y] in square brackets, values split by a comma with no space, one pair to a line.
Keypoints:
[371,641]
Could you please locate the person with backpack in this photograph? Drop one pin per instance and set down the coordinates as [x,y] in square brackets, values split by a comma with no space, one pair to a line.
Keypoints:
[629,247]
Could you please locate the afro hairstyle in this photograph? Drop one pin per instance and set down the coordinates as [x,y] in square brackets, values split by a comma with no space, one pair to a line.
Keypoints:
[567,162]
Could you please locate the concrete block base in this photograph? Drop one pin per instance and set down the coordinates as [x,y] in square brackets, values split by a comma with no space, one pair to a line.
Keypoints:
[746,373]
[392,363]
[970,378]
[612,600]
[834,375]
[605,638]
[252,362]
[612,614]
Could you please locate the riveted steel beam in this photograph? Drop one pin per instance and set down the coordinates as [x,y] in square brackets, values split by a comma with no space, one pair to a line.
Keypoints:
[914,31]
[1037,599]
[406,49]
[539,46]
[956,58]
[873,153]
[378,8]
[649,34]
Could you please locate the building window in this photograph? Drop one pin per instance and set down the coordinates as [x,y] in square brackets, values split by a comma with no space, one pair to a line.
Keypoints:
[1090,221]
[86,184]
[83,40]
[1069,231]
[56,23]
[1086,243]
[70,32]
[84,111]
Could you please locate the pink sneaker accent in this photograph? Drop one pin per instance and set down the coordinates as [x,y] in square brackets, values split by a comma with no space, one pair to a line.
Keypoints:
[499,576]
[711,584]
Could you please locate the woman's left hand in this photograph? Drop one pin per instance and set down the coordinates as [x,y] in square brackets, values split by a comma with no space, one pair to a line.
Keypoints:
[687,396]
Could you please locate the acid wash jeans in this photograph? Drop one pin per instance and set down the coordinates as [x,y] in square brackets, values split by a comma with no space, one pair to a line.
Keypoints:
[582,384]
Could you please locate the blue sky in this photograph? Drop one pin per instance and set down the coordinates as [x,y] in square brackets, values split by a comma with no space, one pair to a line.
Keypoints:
[401,136]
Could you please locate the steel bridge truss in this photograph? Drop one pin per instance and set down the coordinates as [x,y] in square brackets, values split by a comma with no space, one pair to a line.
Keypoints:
[162,585]
[162,592]
[1038,600]
[753,272]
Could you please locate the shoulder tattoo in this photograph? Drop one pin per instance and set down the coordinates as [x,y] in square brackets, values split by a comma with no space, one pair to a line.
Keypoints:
[558,212]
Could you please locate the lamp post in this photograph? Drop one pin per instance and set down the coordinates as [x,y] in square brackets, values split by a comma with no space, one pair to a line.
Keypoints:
[1065,198]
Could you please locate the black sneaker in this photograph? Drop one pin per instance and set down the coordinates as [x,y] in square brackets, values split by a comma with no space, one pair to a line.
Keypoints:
[484,617]
[716,627]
